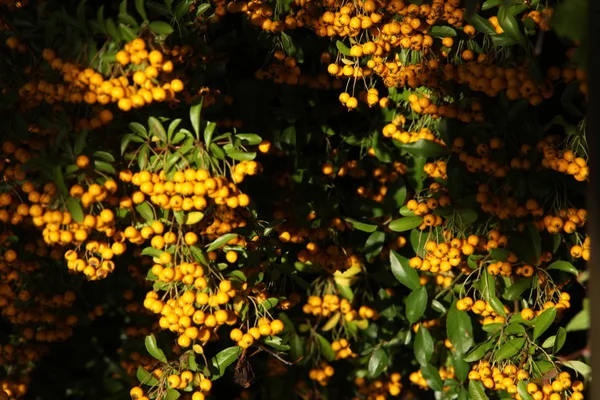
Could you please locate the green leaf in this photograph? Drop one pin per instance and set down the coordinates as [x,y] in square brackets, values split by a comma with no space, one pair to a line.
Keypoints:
[240,155]
[217,151]
[377,362]
[479,351]
[509,349]
[342,48]
[480,24]
[374,244]
[153,349]
[405,224]
[476,391]
[105,156]
[423,148]
[564,266]
[195,117]
[268,304]
[423,346]
[326,350]
[156,129]
[543,322]
[361,226]
[522,390]
[403,272]
[499,254]
[491,3]
[145,377]
[171,394]
[221,241]
[75,209]
[139,129]
[432,376]
[104,167]
[497,305]
[442,31]
[225,358]
[111,28]
[581,320]
[59,180]
[459,329]
[416,304]
[139,6]
[252,138]
[510,26]
[151,251]
[160,28]
[208,133]
[561,338]
[514,291]
[145,211]
[579,366]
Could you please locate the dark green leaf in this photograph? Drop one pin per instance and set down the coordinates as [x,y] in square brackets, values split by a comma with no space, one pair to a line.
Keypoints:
[403,272]
[514,291]
[153,349]
[374,244]
[477,391]
[75,209]
[522,390]
[442,31]
[509,349]
[221,241]
[361,226]
[479,352]
[423,346]
[326,350]
[377,362]
[252,138]
[139,6]
[432,376]
[543,322]
[424,148]
[480,24]
[225,358]
[459,329]
[405,224]
[416,304]
[563,266]
[145,377]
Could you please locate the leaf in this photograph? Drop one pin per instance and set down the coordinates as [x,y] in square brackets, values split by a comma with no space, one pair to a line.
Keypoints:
[564,266]
[580,322]
[509,349]
[476,391]
[252,138]
[342,48]
[579,367]
[160,28]
[59,180]
[423,148]
[459,329]
[332,322]
[561,338]
[139,6]
[416,303]
[157,129]
[225,358]
[195,117]
[145,211]
[377,362]
[361,226]
[488,285]
[497,305]
[153,349]
[514,291]
[104,155]
[145,377]
[403,272]
[442,31]
[432,375]
[240,155]
[151,251]
[104,167]
[326,350]
[221,241]
[499,254]
[543,322]
[480,24]
[269,303]
[535,240]
[111,28]
[139,129]
[423,346]
[510,26]
[194,217]
[171,394]
[75,209]
[405,224]
[490,4]
[570,19]
[479,351]
[374,244]
[522,390]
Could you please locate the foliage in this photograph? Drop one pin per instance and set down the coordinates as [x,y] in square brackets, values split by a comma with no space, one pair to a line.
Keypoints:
[293,199]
